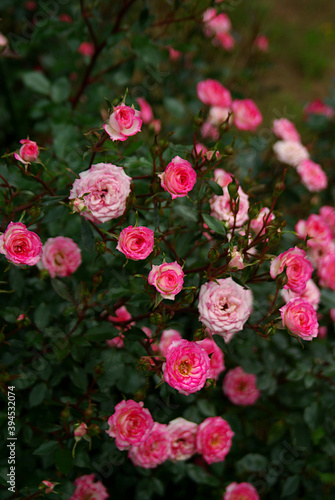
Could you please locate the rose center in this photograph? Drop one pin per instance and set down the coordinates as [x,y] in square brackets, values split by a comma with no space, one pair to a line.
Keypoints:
[184,368]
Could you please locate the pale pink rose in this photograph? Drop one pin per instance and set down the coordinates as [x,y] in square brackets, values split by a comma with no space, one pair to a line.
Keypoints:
[316,229]
[298,269]
[323,331]
[80,430]
[241,387]
[261,43]
[136,243]
[284,129]
[179,177]
[61,256]
[332,314]
[300,319]
[209,131]
[155,125]
[236,259]
[311,294]
[214,439]
[262,220]
[100,193]
[216,365]
[246,114]
[328,215]
[318,107]
[167,337]
[215,23]
[167,278]
[211,92]
[123,122]
[312,176]
[122,314]
[326,271]
[221,208]
[240,491]
[130,424]
[224,40]
[174,54]
[86,49]
[154,450]
[147,114]
[224,307]
[183,439]
[217,115]
[20,246]
[28,152]
[290,152]
[222,177]
[87,489]
[186,367]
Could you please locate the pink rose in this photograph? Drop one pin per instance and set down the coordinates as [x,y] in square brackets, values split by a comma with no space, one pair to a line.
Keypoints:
[290,152]
[209,131]
[211,92]
[261,43]
[224,307]
[214,439]
[130,424]
[215,23]
[174,55]
[246,114]
[241,387]
[298,269]
[80,430]
[100,193]
[300,319]
[200,150]
[178,178]
[123,122]
[86,49]
[147,114]
[154,450]
[136,242]
[316,228]
[221,207]
[217,115]
[87,489]
[284,129]
[311,294]
[312,176]
[122,314]
[328,216]
[240,491]
[216,364]
[61,256]
[183,439]
[262,220]
[326,271]
[236,259]
[28,152]
[224,40]
[222,177]
[186,367]
[155,125]
[318,107]
[20,246]
[168,279]
[47,486]
[167,337]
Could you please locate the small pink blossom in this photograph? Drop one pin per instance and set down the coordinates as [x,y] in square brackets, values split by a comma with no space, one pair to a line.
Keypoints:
[122,314]
[28,152]
[221,207]
[300,319]
[48,486]
[167,337]
[236,259]
[167,278]
[222,177]
[130,424]
[298,269]
[263,219]
[136,243]
[87,489]
[209,131]
[261,43]
[323,331]
[240,491]
[174,54]
[218,115]
[241,387]
[86,49]
[61,256]
[154,450]
[285,130]
[215,23]
[212,93]
[147,114]
[224,40]
[290,152]
[332,314]
[224,307]
[326,271]
[80,430]
[316,229]
[216,365]
[183,439]
[186,367]
[214,439]
[155,125]
[123,122]
[200,150]
[318,107]
[65,18]
[20,246]
[312,176]
[311,294]
[100,193]
[246,114]
[179,177]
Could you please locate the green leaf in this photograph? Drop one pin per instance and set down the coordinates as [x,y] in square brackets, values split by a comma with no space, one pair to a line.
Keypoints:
[47,448]
[42,315]
[62,290]
[79,378]
[63,460]
[37,81]
[251,462]
[290,486]
[199,476]
[311,415]
[60,90]
[214,224]
[215,187]
[135,333]
[102,332]
[175,107]
[87,238]
[37,394]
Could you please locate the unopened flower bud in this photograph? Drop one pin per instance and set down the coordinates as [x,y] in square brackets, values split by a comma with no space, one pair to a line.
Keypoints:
[101,247]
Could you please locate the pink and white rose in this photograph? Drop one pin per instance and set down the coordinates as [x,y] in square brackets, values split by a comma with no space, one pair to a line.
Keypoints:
[240,491]
[124,122]
[136,243]
[179,177]
[100,193]
[28,152]
[214,439]
[154,450]
[215,23]
[300,319]
[216,365]
[186,367]
[167,278]
[183,439]
[88,489]
[312,176]
[20,246]
[246,114]
[298,269]
[213,93]
[285,130]
[311,294]
[290,152]
[316,229]
[259,224]
[61,256]
[240,387]
[221,207]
